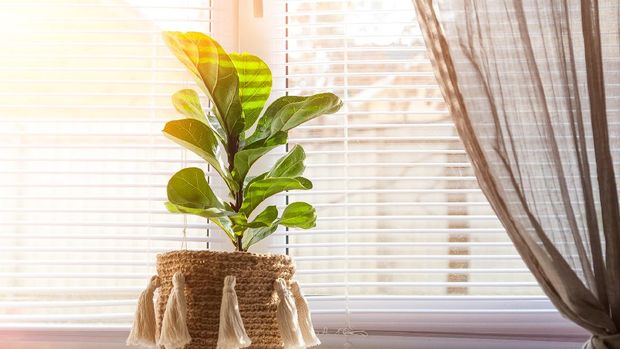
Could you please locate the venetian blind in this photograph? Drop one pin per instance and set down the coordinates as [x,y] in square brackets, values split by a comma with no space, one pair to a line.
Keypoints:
[84,92]
[405,239]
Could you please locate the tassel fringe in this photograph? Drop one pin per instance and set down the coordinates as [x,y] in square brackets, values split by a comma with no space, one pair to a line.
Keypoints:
[287,318]
[174,333]
[143,330]
[232,333]
[293,315]
[305,320]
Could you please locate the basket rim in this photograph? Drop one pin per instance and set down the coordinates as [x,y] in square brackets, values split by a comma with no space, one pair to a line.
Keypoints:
[223,253]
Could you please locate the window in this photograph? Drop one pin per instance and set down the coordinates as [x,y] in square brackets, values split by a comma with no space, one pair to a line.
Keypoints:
[405,239]
[85,89]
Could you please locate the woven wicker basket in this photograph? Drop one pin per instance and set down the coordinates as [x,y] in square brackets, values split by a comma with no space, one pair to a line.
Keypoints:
[204,273]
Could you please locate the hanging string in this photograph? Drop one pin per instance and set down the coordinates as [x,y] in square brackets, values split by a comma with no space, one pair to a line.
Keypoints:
[184,240]
[151,156]
[187,84]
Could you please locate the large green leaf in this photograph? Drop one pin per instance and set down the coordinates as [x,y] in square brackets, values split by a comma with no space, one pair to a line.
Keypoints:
[265,218]
[199,138]
[214,72]
[254,85]
[187,102]
[254,235]
[249,180]
[209,213]
[189,188]
[215,215]
[258,191]
[245,158]
[290,165]
[288,112]
[299,215]
[239,223]
[296,215]
[189,193]
[297,113]
[263,127]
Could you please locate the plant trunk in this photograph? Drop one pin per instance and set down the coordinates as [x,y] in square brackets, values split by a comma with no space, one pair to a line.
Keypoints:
[240,243]
[232,151]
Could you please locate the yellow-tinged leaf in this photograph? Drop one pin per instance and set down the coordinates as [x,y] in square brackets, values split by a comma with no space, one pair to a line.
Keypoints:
[254,85]
[215,74]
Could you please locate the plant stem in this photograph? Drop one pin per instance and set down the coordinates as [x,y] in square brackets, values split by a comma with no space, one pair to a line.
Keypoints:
[238,203]
[232,151]
[233,148]
[240,243]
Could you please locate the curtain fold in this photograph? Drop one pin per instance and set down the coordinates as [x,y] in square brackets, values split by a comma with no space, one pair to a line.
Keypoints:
[534,90]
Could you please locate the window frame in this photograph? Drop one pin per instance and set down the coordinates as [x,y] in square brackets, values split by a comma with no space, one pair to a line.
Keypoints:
[520,318]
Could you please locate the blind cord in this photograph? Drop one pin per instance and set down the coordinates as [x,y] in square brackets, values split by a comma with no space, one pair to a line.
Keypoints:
[183,150]
[151,117]
[347,331]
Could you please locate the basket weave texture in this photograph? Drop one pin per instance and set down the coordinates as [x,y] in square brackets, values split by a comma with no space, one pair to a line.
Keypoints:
[204,273]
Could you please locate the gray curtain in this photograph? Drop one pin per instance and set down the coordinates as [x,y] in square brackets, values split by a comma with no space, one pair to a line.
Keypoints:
[534,89]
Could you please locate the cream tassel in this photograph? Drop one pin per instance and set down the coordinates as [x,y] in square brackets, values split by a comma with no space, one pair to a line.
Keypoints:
[287,318]
[232,334]
[305,320]
[174,333]
[144,326]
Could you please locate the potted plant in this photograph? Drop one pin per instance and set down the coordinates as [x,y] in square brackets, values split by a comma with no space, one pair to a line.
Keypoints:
[238,86]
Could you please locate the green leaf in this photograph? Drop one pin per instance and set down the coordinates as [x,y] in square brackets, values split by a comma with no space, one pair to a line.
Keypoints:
[254,235]
[288,112]
[250,180]
[254,85]
[200,139]
[187,102]
[290,165]
[299,215]
[214,72]
[265,218]
[239,223]
[215,215]
[189,193]
[296,215]
[259,190]
[263,127]
[245,158]
[209,213]
[189,188]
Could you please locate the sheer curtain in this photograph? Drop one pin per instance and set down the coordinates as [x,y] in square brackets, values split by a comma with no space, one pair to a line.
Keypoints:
[534,90]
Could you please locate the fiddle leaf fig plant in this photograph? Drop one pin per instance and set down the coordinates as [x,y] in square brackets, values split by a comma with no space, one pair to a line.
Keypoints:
[238,86]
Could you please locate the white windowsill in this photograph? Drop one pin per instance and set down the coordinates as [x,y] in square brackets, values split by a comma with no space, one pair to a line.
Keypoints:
[114,338]
[425,322]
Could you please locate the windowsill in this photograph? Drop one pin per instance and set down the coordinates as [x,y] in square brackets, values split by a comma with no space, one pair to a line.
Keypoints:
[458,322]
[114,338]
[509,317]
